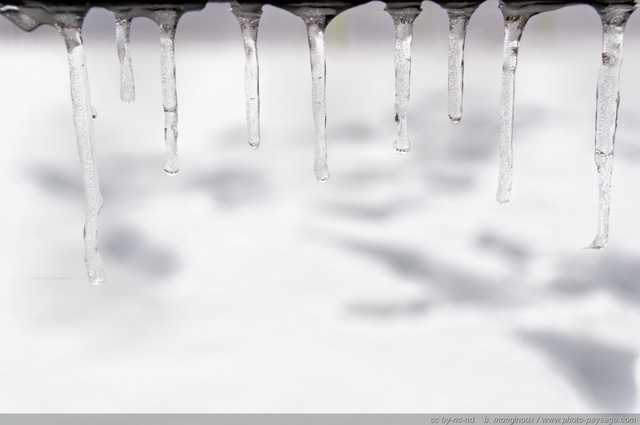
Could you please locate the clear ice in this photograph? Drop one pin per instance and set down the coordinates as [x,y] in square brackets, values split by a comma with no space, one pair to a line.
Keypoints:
[403,19]
[614,19]
[458,22]
[123,31]
[514,26]
[167,20]
[249,20]
[316,19]
[83,120]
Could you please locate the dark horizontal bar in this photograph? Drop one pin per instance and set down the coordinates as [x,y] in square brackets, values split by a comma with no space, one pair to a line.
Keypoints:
[81,7]
[319,3]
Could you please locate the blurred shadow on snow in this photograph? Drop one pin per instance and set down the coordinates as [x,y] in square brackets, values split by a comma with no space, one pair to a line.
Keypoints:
[377,211]
[476,138]
[601,373]
[451,283]
[234,187]
[389,310]
[123,177]
[615,272]
[353,132]
[130,248]
[56,182]
[449,181]
[513,252]
[474,141]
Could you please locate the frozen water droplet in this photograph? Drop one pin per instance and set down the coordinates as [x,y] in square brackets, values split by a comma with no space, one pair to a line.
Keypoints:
[614,19]
[403,18]
[167,20]
[94,113]
[316,19]
[458,21]
[123,31]
[514,26]
[249,19]
[83,120]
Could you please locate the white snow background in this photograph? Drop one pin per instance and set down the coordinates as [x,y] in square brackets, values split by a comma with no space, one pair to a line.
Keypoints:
[244,285]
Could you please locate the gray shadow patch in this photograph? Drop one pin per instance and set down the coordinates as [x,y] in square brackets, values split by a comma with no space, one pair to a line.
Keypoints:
[447,181]
[353,132]
[388,310]
[451,282]
[234,188]
[601,373]
[53,181]
[615,272]
[378,211]
[131,248]
[512,251]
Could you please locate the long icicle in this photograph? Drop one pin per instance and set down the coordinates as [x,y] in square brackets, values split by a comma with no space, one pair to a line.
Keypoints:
[123,31]
[249,20]
[167,20]
[514,26]
[614,19]
[403,19]
[316,20]
[458,22]
[83,120]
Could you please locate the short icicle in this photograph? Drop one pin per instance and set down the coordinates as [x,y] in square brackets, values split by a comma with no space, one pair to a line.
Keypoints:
[167,20]
[614,19]
[403,18]
[83,120]
[249,19]
[316,20]
[514,26]
[123,31]
[458,22]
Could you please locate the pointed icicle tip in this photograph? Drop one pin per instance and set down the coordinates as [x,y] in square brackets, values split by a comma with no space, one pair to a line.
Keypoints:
[514,26]
[315,20]
[458,22]
[403,18]
[167,21]
[249,19]
[83,114]
[596,245]
[614,18]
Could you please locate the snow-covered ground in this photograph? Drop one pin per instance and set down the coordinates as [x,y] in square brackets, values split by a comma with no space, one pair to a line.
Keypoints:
[243,285]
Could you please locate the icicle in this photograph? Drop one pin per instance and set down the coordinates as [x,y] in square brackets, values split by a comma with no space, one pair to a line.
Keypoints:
[514,25]
[614,19]
[83,120]
[403,21]
[249,20]
[123,30]
[167,20]
[316,20]
[458,21]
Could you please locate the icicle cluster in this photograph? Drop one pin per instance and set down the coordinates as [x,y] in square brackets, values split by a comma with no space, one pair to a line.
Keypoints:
[68,21]
[614,17]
